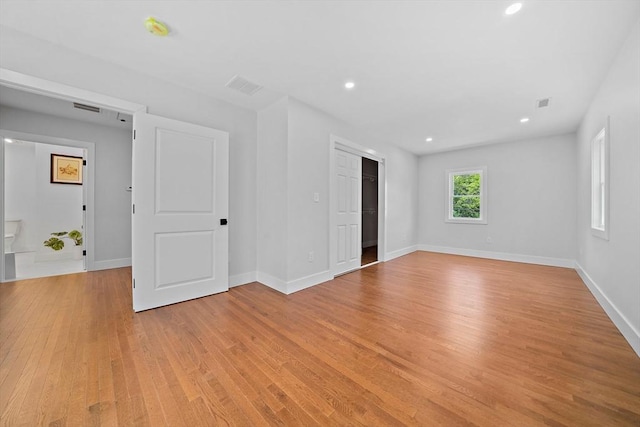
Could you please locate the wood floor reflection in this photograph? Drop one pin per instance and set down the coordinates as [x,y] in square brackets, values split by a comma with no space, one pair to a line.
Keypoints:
[425,339]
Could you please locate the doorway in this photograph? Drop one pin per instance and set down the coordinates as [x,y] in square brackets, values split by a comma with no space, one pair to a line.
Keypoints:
[44,226]
[34,113]
[369,239]
[357,201]
[44,222]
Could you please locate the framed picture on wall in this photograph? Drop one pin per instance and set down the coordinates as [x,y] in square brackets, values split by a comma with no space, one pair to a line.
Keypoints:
[66,169]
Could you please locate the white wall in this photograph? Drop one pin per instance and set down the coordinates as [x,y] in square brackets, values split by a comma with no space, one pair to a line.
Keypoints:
[20,192]
[112,174]
[303,156]
[52,62]
[58,206]
[612,268]
[309,132]
[272,191]
[531,204]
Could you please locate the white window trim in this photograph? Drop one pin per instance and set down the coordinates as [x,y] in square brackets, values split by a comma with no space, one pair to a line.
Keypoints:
[600,181]
[448,216]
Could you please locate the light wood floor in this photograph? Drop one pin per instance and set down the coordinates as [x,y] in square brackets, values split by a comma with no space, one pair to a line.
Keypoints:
[426,339]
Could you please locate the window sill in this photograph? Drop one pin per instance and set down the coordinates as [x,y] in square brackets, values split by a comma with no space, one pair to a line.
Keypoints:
[478,221]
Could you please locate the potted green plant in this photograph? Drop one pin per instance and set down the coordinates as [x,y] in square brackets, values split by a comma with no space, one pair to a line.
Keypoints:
[56,241]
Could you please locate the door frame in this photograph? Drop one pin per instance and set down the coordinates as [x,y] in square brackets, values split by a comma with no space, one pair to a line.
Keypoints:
[336,142]
[88,188]
[53,89]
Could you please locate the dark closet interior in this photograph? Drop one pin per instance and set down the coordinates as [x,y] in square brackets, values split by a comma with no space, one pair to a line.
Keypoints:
[369,211]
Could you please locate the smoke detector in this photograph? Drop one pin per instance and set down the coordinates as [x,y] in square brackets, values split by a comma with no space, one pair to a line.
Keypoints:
[243,85]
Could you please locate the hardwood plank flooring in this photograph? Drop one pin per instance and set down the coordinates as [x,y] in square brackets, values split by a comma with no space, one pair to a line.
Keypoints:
[425,339]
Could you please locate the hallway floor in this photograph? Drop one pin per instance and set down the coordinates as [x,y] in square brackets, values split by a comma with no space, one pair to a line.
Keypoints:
[28,268]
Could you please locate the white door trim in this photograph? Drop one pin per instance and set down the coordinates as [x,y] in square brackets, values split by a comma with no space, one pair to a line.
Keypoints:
[88,186]
[53,89]
[336,142]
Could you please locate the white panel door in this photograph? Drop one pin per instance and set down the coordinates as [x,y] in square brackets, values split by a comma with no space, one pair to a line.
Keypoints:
[180,206]
[348,184]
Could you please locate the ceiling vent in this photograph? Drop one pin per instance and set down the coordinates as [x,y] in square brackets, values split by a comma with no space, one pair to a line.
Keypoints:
[86,107]
[243,85]
[542,103]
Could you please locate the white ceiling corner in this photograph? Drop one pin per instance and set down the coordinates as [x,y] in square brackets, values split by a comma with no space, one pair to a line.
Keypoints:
[460,71]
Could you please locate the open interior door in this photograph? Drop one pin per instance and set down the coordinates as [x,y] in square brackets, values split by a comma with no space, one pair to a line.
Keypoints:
[180,200]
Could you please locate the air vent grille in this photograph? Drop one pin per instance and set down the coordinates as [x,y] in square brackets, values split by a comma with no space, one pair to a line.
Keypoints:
[243,85]
[86,107]
[542,103]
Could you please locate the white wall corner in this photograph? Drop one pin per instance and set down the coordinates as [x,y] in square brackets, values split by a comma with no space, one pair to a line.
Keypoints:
[242,279]
[400,252]
[502,256]
[271,282]
[308,281]
[110,263]
[625,327]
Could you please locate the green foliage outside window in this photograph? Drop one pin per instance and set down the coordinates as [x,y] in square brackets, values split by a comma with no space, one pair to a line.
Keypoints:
[466,196]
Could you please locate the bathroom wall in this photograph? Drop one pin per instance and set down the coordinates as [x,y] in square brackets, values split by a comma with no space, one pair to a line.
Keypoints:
[42,206]
[58,206]
[20,192]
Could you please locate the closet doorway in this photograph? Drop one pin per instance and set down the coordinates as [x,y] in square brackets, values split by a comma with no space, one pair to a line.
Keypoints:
[369,241]
[357,229]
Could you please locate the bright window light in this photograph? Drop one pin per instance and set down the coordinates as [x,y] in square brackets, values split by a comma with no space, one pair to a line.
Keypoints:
[600,184]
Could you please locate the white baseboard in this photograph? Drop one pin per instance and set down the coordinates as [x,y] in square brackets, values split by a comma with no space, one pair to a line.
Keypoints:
[62,255]
[502,256]
[625,327]
[293,285]
[308,281]
[111,263]
[400,252]
[242,279]
[272,282]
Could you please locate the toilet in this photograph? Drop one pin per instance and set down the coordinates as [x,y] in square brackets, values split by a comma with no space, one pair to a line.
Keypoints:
[11,230]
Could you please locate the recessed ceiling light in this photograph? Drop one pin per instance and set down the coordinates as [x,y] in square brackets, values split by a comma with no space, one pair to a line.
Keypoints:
[514,8]
[524,120]
[349,85]
[429,139]
[8,140]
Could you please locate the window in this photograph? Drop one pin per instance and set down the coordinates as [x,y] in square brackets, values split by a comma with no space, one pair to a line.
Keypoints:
[600,184]
[466,196]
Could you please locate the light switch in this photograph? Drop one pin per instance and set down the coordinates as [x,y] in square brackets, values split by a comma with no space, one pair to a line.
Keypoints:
[316,197]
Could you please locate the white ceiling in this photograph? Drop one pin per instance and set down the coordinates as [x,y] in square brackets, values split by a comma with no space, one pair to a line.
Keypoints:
[460,71]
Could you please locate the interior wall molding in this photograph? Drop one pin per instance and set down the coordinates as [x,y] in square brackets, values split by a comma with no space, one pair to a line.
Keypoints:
[502,256]
[631,334]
